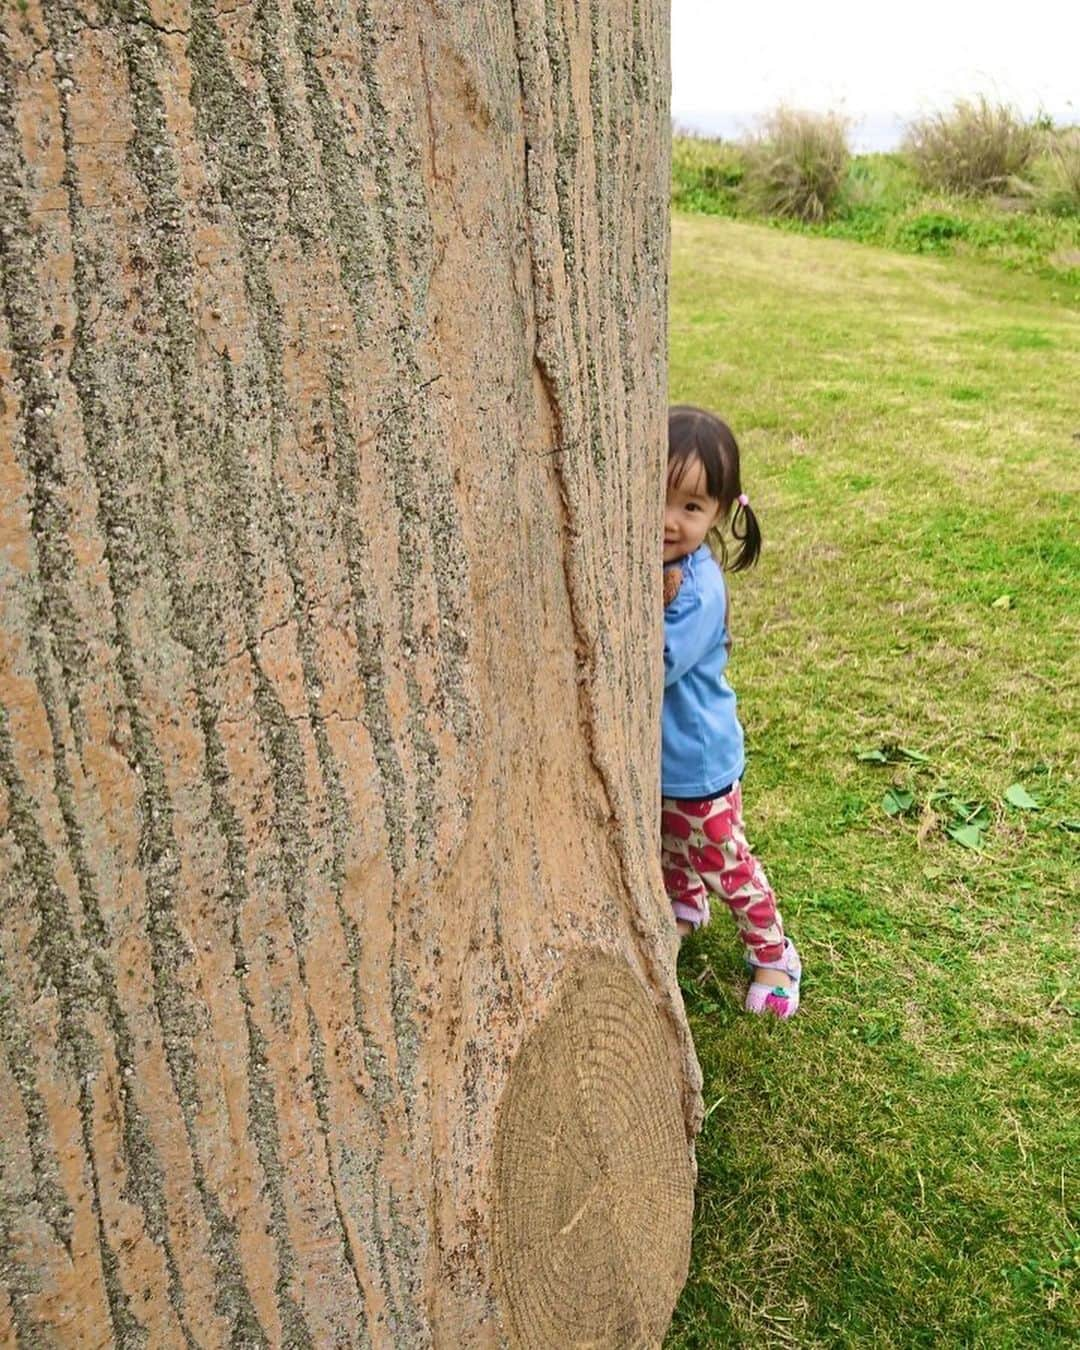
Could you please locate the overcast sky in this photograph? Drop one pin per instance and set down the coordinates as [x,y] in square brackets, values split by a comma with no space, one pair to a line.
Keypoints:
[871,60]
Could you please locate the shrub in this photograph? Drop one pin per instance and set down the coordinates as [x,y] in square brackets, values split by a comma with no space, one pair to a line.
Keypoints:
[978,147]
[1058,172]
[796,164]
[931,232]
[705,174]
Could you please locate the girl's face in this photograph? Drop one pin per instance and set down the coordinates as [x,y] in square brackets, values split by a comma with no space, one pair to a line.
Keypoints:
[690,512]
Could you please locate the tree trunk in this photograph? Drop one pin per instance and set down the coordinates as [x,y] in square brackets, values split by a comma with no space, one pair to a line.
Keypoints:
[337,985]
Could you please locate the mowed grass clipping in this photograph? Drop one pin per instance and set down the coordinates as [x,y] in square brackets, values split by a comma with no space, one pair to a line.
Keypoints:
[899,1165]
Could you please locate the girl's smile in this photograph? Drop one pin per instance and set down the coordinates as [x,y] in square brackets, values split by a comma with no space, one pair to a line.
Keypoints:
[690,513]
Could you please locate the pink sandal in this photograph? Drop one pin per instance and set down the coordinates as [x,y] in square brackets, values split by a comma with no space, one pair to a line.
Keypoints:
[783,1001]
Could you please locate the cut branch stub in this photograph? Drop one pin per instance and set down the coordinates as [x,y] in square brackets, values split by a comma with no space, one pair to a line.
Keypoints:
[593,1184]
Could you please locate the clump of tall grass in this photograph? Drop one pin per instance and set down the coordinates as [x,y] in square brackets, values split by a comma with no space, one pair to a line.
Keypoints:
[796,164]
[975,148]
[1058,172]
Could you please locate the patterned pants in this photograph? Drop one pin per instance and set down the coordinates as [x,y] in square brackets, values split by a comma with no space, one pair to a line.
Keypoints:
[703,849]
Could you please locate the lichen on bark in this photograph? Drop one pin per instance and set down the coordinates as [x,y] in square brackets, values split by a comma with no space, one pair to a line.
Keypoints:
[332,349]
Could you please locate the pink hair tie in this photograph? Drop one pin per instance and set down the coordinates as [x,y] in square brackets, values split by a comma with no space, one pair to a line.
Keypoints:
[743,500]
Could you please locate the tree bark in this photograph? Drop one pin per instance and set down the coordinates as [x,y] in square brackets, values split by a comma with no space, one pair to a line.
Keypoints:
[337,986]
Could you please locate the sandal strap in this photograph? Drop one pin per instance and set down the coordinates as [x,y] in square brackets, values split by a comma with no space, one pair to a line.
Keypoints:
[788,964]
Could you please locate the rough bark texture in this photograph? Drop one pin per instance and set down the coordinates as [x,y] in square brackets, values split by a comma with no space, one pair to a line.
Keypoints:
[336,980]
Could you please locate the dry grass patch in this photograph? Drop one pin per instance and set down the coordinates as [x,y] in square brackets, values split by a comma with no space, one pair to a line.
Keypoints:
[977,146]
[796,164]
[1058,175]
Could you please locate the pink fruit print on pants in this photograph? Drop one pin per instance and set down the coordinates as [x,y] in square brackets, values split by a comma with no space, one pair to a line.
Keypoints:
[675,880]
[761,913]
[707,859]
[717,827]
[671,823]
[737,877]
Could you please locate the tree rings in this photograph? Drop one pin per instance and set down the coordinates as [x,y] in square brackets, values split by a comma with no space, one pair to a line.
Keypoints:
[592,1181]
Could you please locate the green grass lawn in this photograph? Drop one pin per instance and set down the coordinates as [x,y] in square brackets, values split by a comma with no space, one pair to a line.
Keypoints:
[898,1166]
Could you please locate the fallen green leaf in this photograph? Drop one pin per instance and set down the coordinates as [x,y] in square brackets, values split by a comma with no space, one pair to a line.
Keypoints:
[969,813]
[891,753]
[1021,798]
[968,835]
[897,801]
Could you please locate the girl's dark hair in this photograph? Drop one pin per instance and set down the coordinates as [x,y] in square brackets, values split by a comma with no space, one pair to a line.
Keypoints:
[694,433]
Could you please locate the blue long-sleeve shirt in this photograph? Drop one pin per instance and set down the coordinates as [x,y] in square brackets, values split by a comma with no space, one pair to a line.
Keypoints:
[701,739]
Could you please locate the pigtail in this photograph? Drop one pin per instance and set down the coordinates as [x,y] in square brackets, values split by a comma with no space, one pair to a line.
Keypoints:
[747,532]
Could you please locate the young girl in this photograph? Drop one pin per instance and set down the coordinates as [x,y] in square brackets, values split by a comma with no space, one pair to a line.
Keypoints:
[703,844]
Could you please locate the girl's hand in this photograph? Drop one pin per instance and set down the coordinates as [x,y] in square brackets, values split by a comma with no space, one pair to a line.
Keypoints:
[672,582]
